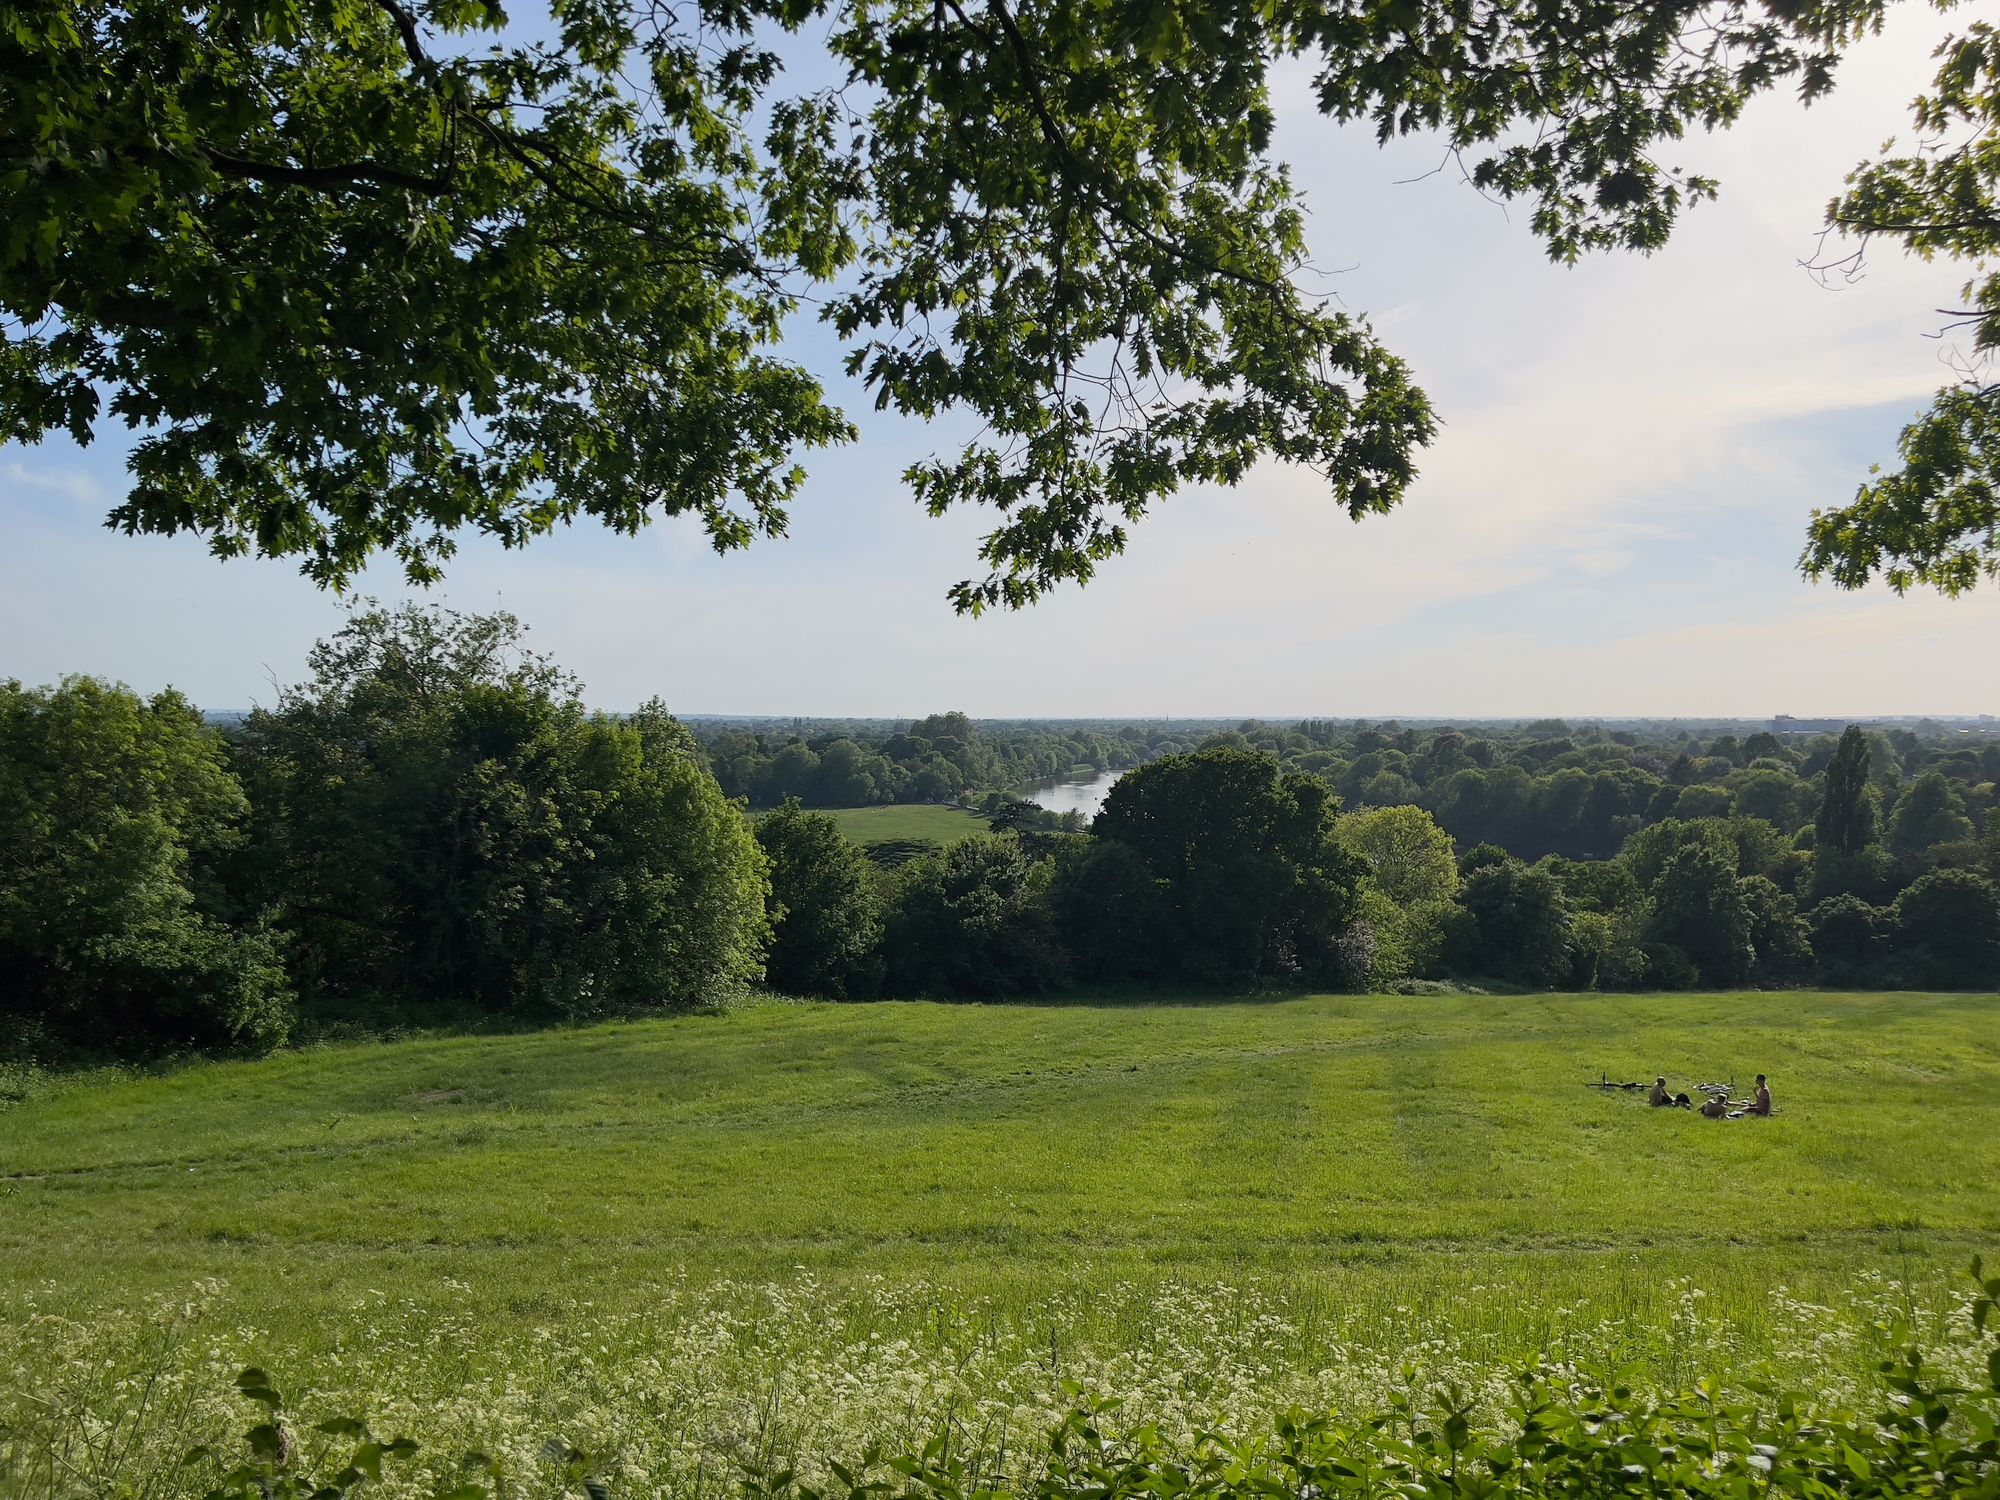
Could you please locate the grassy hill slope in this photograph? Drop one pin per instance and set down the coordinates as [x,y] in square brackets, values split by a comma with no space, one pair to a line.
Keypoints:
[797,1230]
[1013,1139]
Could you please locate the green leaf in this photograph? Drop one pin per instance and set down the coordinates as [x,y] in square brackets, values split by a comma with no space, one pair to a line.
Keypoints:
[266,1441]
[256,1385]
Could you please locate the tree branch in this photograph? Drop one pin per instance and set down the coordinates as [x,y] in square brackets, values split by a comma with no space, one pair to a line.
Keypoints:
[406,27]
[1073,160]
[347,175]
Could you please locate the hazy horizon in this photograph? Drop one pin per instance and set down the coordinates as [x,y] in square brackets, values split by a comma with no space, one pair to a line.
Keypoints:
[1406,720]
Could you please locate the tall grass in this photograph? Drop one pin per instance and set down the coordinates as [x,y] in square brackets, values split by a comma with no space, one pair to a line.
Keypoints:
[681,1392]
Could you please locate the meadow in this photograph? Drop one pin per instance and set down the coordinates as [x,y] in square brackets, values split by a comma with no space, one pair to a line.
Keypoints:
[907,823]
[793,1229]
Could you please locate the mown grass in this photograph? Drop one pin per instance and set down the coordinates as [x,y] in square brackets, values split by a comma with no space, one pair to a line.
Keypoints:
[912,823]
[1383,1137]
[798,1229]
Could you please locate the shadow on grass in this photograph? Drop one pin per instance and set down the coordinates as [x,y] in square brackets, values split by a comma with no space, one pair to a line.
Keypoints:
[31,1064]
[1184,995]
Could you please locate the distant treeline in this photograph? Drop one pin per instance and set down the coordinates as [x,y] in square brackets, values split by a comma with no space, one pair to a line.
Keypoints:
[938,759]
[1548,788]
[1228,867]
[1534,789]
[432,828]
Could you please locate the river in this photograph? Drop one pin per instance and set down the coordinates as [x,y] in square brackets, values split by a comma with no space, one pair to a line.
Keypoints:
[1081,794]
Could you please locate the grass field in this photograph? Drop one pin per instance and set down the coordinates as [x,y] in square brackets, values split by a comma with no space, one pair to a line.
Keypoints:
[838,1221]
[907,823]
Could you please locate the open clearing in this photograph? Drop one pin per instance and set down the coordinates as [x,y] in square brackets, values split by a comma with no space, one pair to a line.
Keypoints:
[907,823]
[799,1230]
[1014,1143]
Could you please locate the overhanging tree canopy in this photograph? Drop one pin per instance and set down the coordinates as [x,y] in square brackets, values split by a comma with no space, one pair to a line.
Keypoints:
[1935,519]
[367,273]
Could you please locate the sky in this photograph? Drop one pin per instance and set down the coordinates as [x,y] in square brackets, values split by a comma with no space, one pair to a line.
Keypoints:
[1608,522]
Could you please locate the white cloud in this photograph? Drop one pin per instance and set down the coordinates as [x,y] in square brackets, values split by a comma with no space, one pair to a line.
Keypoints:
[1608,521]
[73,485]
[1601,563]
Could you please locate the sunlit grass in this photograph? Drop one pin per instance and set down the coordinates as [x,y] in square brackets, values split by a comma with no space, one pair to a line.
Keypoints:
[810,1227]
[912,823]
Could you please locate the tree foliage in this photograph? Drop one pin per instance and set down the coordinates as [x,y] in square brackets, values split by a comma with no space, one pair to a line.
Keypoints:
[1927,814]
[116,814]
[371,272]
[1253,881]
[1949,927]
[366,274]
[1780,939]
[858,763]
[1109,910]
[1408,855]
[442,823]
[1846,822]
[824,911]
[974,920]
[1848,938]
[1935,518]
[1648,852]
[439,830]
[1699,908]
[1518,927]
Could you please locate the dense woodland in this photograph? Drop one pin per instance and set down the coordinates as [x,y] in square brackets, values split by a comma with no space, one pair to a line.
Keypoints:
[936,759]
[432,830]
[1536,789]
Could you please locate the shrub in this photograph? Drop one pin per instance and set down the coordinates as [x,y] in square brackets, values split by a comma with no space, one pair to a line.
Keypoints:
[116,815]
[974,920]
[825,915]
[1518,925]
[1947,930]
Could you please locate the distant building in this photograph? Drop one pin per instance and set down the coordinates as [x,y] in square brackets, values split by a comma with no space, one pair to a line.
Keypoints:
[1786,724]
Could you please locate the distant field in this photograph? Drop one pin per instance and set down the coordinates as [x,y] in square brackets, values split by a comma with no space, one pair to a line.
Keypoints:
[907,823]
[1291,1195]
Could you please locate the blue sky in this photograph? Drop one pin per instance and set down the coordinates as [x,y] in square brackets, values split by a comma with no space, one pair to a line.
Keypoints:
[1607,524]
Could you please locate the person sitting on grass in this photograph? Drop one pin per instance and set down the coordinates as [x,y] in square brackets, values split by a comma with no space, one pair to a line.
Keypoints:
[1659,1098]
[1716,1107]
[1762,1104]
